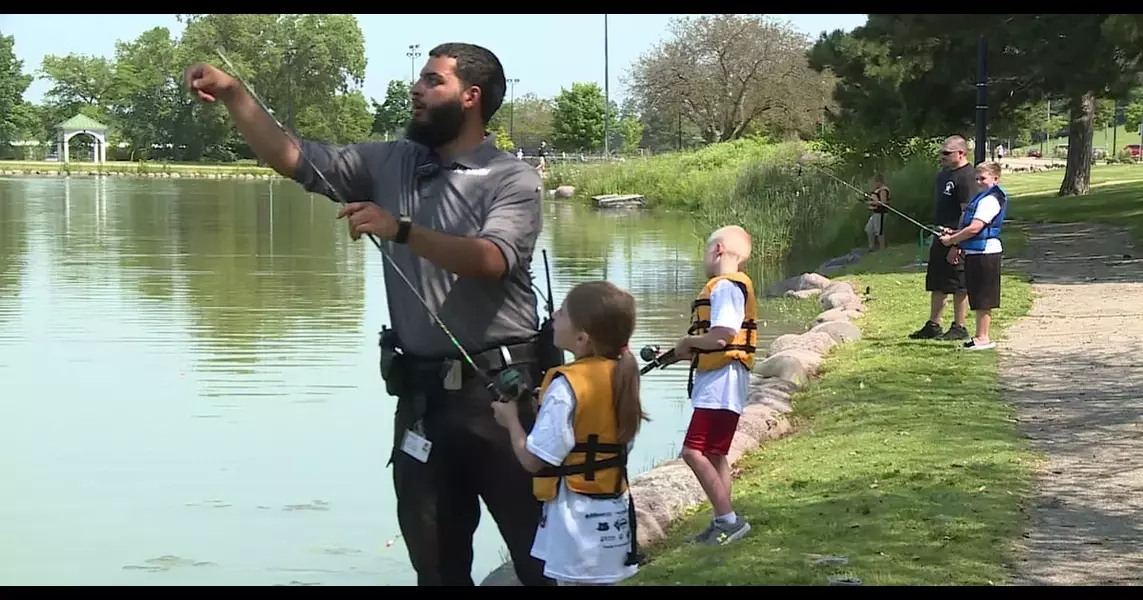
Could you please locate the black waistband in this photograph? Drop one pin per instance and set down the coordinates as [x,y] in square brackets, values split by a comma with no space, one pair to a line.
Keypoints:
[490,359]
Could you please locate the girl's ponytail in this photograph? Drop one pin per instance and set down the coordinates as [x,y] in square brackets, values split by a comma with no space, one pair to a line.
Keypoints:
[628,407]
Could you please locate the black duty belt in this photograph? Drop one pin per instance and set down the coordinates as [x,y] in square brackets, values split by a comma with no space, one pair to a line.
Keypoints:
[490,360]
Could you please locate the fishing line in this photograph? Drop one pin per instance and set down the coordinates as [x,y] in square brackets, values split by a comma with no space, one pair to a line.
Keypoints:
[801,162]
[376,242]
[509,377]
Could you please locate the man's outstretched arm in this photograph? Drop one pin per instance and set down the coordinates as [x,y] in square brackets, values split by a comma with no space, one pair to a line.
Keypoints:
[346,167]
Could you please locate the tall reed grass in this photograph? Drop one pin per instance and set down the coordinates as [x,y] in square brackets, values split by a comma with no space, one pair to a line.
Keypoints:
[789,211]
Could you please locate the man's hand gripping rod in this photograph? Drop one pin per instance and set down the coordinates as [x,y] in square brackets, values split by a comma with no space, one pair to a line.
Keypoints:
[509,382]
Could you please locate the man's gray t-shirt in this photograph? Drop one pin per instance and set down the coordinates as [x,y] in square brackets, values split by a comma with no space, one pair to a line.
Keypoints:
[485,193]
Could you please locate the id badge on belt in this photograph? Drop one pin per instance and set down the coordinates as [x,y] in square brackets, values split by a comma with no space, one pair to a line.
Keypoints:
[415,444]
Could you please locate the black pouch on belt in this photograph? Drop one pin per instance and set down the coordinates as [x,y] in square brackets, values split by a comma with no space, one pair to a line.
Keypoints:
[393,369]
[548,355]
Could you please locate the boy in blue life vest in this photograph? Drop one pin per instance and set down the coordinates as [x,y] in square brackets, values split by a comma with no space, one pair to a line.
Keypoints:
[578,448]
[979,239]
[720,344]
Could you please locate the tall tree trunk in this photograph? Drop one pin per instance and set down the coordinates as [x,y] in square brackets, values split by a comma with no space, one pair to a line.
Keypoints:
[1081,130]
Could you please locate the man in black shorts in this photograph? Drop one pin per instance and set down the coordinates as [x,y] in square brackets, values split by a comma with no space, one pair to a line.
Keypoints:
[955,187]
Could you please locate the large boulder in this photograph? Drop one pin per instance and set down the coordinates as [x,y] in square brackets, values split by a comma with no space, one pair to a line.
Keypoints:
[503,576]
[774,397]
[841,331]
[803,282]
[843,300]
[795,366]
[840,286]
[836,314]
[802,294]
[812,342]
[663,494]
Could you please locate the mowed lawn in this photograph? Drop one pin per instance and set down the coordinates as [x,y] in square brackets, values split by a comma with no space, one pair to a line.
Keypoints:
[1116,198]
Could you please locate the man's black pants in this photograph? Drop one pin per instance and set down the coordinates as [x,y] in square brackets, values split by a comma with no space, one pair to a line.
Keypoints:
[438,502]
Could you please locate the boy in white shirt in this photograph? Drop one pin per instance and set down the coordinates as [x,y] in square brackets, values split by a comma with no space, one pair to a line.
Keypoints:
[721,345]
[979,239]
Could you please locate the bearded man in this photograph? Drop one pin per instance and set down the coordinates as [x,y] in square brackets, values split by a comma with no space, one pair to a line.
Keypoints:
[460,218]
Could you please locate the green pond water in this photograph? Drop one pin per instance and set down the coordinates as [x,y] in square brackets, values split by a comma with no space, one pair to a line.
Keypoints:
[188,379]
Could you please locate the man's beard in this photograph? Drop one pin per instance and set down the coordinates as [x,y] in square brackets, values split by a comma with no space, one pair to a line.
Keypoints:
[442,125]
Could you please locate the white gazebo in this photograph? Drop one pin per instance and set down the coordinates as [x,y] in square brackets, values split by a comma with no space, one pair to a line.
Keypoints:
[78,125]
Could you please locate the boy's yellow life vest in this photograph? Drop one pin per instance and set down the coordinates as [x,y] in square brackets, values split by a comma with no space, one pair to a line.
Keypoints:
[596,466]
[743,345]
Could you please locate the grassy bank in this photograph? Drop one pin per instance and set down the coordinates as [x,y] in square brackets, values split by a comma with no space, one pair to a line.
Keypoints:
[906,461]
[754,183]
[139,169]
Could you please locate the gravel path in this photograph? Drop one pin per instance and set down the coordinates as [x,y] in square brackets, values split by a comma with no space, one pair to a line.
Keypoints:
[1072,369]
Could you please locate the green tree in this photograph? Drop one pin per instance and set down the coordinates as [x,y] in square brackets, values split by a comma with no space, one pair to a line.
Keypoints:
[350,123]
[13,84]
[914,75]
[578,118]
[528,118]
[630,134]
[149,98]
[393,115]
[79,84]
[727,74]
[295,62]
[1104,113]
[503,140]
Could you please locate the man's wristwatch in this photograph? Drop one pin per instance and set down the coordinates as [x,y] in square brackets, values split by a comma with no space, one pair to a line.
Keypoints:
[404,225]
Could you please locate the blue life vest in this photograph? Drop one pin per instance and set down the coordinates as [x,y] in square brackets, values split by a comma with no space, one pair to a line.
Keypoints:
[990,230]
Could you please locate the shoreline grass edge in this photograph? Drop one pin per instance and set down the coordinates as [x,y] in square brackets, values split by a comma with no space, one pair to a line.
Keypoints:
[135,169]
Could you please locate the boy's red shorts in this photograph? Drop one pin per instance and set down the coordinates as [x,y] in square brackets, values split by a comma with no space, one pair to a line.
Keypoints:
[711,431]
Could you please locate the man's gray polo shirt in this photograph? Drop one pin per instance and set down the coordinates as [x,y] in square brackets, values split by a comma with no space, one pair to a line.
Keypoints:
[485,193]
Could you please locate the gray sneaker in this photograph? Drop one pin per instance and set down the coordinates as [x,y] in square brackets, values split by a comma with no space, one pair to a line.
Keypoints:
[700,536]
[724,534]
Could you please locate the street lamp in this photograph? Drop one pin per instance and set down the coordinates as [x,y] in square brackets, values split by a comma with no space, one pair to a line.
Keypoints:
[606,96]
[512,109]
[413,54]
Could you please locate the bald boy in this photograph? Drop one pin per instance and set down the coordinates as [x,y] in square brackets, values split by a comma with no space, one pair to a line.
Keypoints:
[720,344]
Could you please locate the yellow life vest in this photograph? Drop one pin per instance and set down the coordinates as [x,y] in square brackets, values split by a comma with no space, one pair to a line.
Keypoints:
[742,347]
[597,464]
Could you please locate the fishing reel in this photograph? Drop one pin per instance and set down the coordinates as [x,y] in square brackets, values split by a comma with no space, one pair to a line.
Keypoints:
[655,358]
[650,353]
[509,386]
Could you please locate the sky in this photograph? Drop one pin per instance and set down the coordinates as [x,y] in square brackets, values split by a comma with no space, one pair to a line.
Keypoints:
[545,52]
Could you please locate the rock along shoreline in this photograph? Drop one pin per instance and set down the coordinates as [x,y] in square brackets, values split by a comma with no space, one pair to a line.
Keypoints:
[668,490]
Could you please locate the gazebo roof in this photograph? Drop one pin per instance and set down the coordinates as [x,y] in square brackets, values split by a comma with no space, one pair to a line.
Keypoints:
[81,122]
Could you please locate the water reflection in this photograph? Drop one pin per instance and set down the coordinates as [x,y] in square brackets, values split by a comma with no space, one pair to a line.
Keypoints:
[188,379]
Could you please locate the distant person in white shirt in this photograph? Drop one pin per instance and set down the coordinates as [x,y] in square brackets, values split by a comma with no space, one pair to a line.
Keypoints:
[721,345]
[589,415]
[519,154]
[979,239]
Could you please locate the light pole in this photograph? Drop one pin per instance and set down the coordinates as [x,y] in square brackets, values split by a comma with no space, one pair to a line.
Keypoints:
[413,54]
[512,109]
[981,101]
[606,96]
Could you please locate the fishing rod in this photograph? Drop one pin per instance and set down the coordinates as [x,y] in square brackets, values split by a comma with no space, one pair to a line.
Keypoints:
[801,162]
[509,382]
